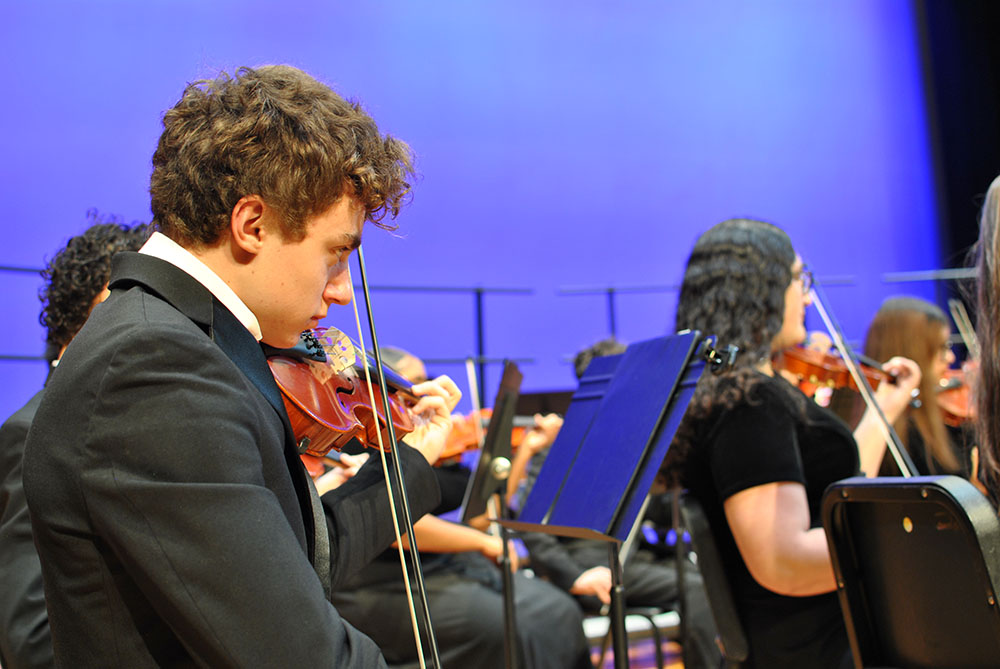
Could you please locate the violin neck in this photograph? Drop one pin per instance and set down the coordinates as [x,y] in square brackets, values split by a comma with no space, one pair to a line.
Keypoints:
[393,379]
[870,362]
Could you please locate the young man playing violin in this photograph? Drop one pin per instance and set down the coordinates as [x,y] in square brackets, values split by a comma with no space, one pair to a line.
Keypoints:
[172,515]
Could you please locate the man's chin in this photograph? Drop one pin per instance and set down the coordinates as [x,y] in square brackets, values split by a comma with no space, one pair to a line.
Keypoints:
[283,340]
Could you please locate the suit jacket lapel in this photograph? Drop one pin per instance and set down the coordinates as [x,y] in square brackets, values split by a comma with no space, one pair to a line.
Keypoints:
[237,342]
[240,346]
[192,299]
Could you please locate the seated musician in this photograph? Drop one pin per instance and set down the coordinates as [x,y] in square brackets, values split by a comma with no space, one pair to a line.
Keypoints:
[758,455]
[580,566]
[76,279]
[172,515]
[464,589]
[919,330]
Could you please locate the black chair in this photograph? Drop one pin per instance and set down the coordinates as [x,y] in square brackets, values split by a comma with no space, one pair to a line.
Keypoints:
[732,640]
[660,627]
[917,562]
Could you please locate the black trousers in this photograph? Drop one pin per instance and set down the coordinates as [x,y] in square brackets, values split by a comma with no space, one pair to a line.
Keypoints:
[653,582]
[466,604]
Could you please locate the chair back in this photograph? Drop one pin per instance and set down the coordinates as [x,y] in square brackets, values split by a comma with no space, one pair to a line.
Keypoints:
[917,562]
[732,639]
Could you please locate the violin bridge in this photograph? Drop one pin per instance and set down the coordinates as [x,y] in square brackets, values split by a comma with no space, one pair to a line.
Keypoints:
[338,347]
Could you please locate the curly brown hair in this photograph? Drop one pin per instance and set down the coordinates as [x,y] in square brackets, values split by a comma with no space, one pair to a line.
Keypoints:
[277,133]
[77,274]
[734,288]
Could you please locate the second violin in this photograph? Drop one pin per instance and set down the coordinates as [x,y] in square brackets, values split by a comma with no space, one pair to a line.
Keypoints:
[467,432]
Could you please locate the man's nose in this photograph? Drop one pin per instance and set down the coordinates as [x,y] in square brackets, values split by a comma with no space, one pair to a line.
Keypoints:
[338,289]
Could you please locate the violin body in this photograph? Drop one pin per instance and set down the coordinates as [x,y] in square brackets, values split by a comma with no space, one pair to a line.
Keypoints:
[329,406]
[954,397]
[465,435]
[816,369]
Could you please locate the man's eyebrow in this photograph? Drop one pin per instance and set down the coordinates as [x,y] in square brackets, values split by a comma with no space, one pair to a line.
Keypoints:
[351,240]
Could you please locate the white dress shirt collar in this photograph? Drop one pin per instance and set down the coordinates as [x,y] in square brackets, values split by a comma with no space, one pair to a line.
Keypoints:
[162,247]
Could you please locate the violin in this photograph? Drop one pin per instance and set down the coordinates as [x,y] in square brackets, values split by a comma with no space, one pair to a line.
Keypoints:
[328,400]
[466,435]
[816,369]
[954,397]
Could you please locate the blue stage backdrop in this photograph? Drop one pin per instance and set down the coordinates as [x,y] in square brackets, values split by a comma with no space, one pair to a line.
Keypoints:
[561,144]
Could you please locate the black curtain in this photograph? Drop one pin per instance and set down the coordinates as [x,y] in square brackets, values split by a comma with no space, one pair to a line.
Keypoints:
[960,51]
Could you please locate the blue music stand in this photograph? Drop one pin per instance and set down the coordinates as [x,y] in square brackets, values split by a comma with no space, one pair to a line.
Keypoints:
[602,464]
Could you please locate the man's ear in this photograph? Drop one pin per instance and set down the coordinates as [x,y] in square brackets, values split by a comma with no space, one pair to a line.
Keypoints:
[246,223]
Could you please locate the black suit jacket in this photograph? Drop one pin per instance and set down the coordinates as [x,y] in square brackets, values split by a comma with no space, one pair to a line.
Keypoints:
[170,508]
[24,624]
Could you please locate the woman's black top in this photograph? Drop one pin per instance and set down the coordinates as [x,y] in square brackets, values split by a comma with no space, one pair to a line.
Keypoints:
[774,435]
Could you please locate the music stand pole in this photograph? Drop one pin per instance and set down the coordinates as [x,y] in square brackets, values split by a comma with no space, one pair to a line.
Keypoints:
[499,473]
[619,636]
[509,620]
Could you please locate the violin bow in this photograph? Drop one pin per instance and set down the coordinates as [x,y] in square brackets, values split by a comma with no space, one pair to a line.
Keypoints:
[892,442]
[477,407]
[964,325]
[397,479]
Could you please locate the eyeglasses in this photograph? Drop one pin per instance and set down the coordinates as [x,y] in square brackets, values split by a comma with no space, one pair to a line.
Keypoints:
[806,277]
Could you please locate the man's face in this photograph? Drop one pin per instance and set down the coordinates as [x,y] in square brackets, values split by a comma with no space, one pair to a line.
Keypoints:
[294,282]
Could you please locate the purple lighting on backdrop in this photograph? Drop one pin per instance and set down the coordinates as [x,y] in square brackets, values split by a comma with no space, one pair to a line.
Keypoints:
[560,144]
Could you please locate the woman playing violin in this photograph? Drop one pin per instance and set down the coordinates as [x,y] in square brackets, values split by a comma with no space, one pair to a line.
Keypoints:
[758,455]
[919,330]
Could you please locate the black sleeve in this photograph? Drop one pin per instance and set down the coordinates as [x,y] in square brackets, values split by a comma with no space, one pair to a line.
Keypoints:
[358,515]
[753,444]
[453,479]
[548,555]
[25,639]
[550,559]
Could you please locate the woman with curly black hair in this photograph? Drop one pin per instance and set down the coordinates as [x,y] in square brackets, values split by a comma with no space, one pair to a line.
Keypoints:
[758,455]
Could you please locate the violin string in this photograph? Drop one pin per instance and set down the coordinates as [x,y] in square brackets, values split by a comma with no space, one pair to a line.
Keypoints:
[398,474]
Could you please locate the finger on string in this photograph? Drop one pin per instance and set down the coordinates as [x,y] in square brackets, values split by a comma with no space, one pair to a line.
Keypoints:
[427,388]
[448,384]
[432,406]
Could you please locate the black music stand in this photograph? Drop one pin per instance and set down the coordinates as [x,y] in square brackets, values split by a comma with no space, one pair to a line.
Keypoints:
[489,479]
[485,480]
[602,464]
[917,563]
